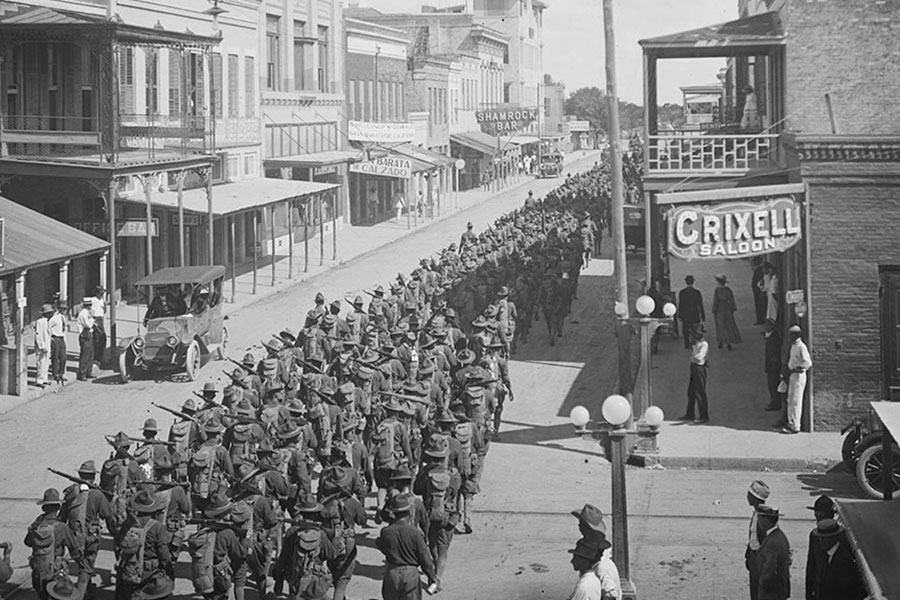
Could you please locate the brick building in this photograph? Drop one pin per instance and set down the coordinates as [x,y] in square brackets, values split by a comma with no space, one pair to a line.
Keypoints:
[822,77]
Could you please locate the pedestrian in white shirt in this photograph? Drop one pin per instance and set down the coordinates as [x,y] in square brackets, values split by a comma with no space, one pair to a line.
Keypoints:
[593,584]
[696,391]
[58,354]
[42,344]
[798,364]
[86,340]
[398,205]
[98,311]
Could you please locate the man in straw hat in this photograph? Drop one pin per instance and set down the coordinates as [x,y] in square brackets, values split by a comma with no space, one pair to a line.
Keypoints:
[831,569]
[593,584]
[49,538]
[86,340]
[405,552]
[142,546]
[699,363]
[757,494]
[42,345]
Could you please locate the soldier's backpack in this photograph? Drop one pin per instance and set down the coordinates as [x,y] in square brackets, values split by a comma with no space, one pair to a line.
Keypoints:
[201,546]
[383,440]
[77,517]
[202,470]
[333,519]
[243,448]
[44,561]
[439,498]
[130,565]
[6,570]
[354,323]
[310,578]
[114,479]
[180,435]
[463,434]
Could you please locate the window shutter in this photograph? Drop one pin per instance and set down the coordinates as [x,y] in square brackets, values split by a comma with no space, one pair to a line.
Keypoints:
[126,80]
[174,82]
[249,86]
[233,76]
[215,109]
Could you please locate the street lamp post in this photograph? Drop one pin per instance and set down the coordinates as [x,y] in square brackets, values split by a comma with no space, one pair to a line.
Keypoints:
[645,306]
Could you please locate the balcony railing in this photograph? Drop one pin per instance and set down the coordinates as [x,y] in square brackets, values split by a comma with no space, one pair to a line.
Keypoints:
[677,152]
[79,139]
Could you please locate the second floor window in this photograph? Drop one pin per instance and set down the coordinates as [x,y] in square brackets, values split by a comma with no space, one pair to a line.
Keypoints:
[302,53]
[324,84]
[151,57]
[234,74]
[250,86]
[126,80]
[273,52]
[216,92]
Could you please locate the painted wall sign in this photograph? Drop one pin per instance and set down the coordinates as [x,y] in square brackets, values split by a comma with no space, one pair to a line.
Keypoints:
[380,133]
[734,229]
[510,120]
[386,166]
[135,228]
[794,296]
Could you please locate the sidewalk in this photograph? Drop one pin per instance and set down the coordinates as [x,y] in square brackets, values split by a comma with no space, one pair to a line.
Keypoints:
[352,242]
[740,433]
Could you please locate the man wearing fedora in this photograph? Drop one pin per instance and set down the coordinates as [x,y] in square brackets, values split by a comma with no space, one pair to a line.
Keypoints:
[690,309]
[49,538]
[43,345]
[586,554]
[774,556]
[142,546]
[405,552]
[757,494]
[831,569]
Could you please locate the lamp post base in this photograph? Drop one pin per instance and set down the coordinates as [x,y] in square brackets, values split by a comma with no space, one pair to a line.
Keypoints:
[628,590]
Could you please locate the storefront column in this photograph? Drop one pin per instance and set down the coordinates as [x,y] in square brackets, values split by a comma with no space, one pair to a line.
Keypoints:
[103,274]
[320,202]
[207,177]
[147,181]
[111,284]
[410,199]
[179,182]
[290,224]
[64,280]
[334,200]
[21,352]
[272,235]
[231,229]
[306,235]
[254,248]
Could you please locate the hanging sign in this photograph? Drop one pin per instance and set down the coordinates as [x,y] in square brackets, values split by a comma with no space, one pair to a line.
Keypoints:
[734,229]
[380,133]
[386,166]
[138,228]
[509,120]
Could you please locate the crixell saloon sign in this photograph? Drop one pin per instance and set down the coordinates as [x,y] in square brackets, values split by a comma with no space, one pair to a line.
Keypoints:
[734,229]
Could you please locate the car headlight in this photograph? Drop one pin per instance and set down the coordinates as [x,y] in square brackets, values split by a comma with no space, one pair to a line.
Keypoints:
[172,341]
[138,343]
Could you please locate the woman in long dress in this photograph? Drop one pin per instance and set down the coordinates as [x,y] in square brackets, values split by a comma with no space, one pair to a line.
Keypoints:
[723,310]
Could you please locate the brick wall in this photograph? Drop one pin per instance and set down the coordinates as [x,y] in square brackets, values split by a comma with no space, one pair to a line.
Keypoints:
[851,237]
[850,48]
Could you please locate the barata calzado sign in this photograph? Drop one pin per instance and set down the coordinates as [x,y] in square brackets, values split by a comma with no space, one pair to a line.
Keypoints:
[387,166]
[509,120]
[734,229]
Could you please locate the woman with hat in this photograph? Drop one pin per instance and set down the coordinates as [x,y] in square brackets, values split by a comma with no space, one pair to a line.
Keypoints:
[723,309]
[142,545]
[49,538]
[42,345]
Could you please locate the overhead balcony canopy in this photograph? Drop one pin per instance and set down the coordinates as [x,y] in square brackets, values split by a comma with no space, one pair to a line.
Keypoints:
[743,37]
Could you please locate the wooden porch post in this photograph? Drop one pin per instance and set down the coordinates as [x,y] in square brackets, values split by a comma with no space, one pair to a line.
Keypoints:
[320,204]
[334,224]
[272,231]
[179,181]
[290,224]
[111,284]
[233,256]
[64,280]
[207,175]
[306,235]
[148,217]
[21,352]
[255,236]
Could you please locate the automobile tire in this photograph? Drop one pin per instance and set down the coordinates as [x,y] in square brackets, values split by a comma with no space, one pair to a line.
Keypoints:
[869,470]
[848,450]
[192,361]
[856,450]
[126,365]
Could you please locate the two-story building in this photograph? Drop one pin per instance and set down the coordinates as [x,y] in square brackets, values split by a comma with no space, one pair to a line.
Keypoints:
[802,174]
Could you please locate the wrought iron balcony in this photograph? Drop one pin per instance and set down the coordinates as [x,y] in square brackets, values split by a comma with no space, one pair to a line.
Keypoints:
[696,152]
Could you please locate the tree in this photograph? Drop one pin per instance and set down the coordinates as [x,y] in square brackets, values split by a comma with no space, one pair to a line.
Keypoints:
[589,104]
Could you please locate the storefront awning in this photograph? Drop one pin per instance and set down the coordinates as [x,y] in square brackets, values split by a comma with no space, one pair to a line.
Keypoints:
[319,159]
[742,36]
[424,154]
[482,142]
[34,240]
[523,140]
[237,197]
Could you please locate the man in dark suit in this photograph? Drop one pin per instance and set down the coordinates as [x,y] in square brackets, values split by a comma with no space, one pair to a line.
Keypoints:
[774,556]
[690,309]
[831,570]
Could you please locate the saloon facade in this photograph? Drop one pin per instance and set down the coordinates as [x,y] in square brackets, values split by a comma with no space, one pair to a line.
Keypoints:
[805,175]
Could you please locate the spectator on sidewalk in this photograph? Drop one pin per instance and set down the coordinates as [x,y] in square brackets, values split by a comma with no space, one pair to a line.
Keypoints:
[774,556]
[799,363]
[723,309]
[756,496]
[690,309]
[372,202]
[696,391]
[759,297]
[58,355]
[773,365]
[398,205]
[768,285]
[42,344]
[831,569]
[98,311]
[86,340]
[420,203]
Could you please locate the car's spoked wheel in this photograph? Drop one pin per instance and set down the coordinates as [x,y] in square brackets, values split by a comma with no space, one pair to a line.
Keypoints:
[126,365]
[192,361]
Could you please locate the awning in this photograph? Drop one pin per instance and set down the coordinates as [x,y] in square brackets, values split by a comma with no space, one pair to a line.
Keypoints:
[34,240]
[237,197]
[873,527]
[318,159]
[424,154]
[707,99]
[522,140]
[176,275]
[743,36]
[482,142]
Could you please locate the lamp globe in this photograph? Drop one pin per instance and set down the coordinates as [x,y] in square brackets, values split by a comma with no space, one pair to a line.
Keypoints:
[579,416]
[654,416]
[645,305]
[616,410]
[669,309]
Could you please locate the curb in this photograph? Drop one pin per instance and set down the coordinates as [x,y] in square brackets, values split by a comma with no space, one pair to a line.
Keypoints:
[741,463]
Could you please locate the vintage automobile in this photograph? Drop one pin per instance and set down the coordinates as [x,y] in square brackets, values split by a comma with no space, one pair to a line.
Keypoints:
[863,454]
[551,165]
[184,323]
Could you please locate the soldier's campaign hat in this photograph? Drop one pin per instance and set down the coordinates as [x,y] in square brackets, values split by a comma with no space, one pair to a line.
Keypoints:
[243,408]
[241,512]
[364,372]
[51,496]
[401,474]
[413,389]
[288,430]
[308,506]
[590,548]
[591,516]
[445,416]
[828,528]
[503,292]
[210,388]
[219,504]
[296,407]
[480,322]
[273,385]
[765,510]
[320,299]
[248,360]
[335,305]
[288,334]
[120,440]
[437,448]
[150,425]
[88,467]
[427,368]
[393,405]
[62,588]
[214,425]
[47,308]
[346,388]
[759,490]
[379,291]
[450,313]
[145,502]
[469,225]
[238,375]
[465,357]
[399,504]
[89,301]
[358,301]
[822,504]
[396,331]
[189,407]
[158,587]
[273,345]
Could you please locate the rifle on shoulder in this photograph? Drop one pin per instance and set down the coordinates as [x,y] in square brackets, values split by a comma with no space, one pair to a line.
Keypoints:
[176,413]
[80,481]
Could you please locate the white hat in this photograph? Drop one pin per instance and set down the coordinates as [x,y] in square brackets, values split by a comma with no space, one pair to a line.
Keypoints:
[794,329]
[88,302]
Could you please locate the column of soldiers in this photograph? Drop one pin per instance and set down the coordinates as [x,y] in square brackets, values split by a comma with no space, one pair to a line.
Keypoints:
[265,483]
